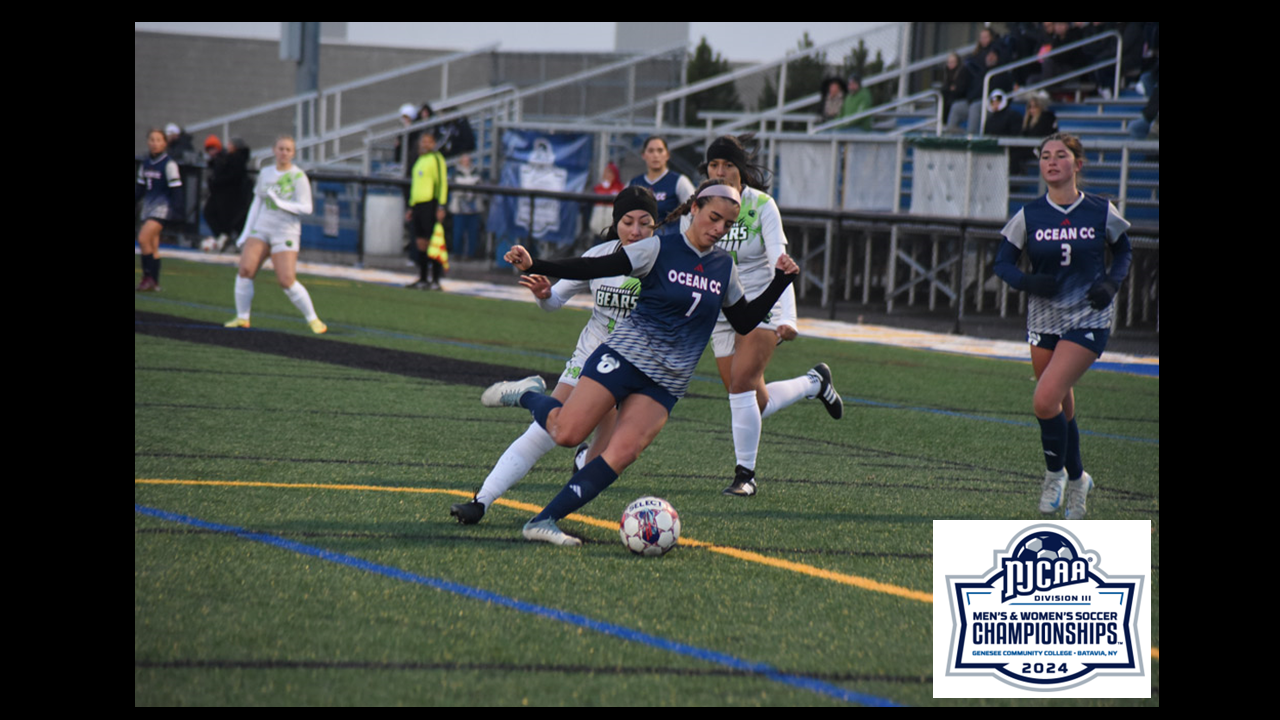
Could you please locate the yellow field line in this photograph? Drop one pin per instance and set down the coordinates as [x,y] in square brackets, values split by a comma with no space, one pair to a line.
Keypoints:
[853,580]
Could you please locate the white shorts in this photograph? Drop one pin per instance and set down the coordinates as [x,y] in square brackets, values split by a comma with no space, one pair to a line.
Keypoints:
[573,368]
[724,338]
[279,242]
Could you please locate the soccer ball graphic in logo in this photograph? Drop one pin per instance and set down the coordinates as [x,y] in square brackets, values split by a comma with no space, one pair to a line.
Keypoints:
[1046,546]
[650,526]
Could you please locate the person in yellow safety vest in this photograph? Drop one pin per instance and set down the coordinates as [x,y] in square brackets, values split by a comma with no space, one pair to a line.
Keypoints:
[428,193]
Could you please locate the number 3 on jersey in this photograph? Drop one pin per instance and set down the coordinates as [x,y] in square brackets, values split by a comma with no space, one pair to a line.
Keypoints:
[1066,255]
[697,298]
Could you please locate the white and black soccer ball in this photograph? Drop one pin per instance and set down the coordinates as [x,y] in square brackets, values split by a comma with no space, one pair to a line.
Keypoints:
[1046,546]
[210,244]
[650,526]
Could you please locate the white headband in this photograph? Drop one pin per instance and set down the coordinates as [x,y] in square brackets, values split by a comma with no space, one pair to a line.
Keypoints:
[721,190]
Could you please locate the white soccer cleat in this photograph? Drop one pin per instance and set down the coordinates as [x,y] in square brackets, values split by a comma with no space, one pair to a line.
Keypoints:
[1077,491]
[1051,491]
[507,394]
[547,531]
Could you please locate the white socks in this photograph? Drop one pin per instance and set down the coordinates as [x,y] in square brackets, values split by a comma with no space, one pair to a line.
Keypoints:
[244,297]
[515,463]
[747,417]
[785,393]
[301,299]
[745,414]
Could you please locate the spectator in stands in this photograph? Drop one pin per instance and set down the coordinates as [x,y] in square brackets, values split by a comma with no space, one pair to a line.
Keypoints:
[159,187]
[465,207]
[858,100]
[609,185]
[955,91]
[1140,129]
[237,153]
[1002,120]
[1002,81]
[1063,33]
[833,95]
[987,41]
[408,115]
[180,145]
[1039,122]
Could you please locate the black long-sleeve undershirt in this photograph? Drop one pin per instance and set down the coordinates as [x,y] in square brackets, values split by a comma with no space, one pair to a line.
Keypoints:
[743,315]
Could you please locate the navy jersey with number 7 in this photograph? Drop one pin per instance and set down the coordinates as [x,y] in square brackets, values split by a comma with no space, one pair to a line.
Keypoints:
[681,294]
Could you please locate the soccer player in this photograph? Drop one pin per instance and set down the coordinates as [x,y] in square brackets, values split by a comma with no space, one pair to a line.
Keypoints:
[281,197]
[1065,235]
[646,365]
[756,241]
[669,188]
[159,186]
[635,213]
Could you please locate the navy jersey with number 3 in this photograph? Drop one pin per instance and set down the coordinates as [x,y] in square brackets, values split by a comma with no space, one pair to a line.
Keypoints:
[1070,244]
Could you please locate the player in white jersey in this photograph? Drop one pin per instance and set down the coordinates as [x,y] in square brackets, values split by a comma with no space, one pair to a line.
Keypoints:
[1065,234]
[273,229]
[634,215]
[756,241]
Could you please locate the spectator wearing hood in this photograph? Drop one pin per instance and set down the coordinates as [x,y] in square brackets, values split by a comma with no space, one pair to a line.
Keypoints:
[1002,120]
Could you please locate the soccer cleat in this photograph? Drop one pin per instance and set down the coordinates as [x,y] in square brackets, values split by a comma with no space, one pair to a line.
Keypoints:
[827,392]
[744,483]
[1077,491]
[236,322]
[148,284]
[580,457]
[318,327]
[1051,491]
[547,531]
[507,394]
[468,513]
[417,285]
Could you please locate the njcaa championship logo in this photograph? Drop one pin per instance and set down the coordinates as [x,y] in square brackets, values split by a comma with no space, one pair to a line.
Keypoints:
[1045,616]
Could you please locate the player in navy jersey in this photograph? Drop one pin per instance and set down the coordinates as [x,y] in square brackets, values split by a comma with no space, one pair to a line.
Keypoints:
[1065,235]
[159,187]
[634,216]
[646,365]
[671,189]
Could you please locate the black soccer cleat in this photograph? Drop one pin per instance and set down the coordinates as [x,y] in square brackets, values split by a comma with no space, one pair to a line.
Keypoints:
[827,391]
[744,483]
[468,513]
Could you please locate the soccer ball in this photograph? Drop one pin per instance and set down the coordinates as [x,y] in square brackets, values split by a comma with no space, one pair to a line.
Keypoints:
[1045,546]
[210,244]
[650,526]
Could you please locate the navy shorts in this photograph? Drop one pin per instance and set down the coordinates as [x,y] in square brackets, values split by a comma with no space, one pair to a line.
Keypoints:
[1094,339]
[621,378]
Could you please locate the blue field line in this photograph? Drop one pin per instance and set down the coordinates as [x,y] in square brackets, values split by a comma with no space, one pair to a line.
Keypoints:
[302,330]
[799,681]
[985,418]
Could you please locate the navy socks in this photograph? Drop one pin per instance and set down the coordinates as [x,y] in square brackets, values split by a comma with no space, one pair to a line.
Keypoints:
[582,489]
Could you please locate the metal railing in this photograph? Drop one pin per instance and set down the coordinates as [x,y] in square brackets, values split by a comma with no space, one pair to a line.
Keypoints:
[901,30]
[311,114]
[1057,79]
[884,260]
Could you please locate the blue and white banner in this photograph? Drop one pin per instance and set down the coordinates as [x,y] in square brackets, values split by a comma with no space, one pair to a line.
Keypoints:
[541,161]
